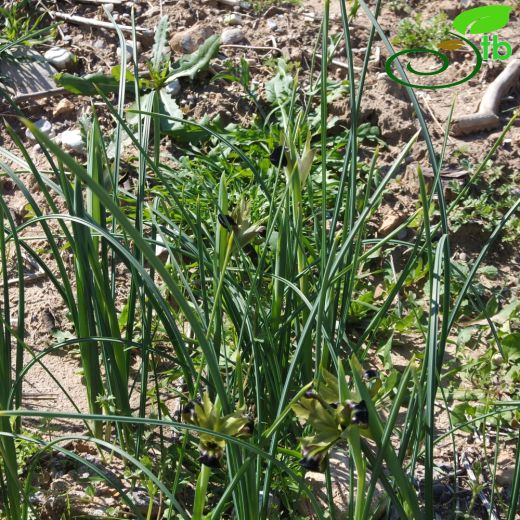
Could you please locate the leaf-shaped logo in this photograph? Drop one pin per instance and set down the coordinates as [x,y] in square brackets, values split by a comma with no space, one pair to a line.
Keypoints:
[452,45]
[483,19]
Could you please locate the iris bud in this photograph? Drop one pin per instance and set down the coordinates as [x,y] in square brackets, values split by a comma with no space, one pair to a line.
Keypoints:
[370,374]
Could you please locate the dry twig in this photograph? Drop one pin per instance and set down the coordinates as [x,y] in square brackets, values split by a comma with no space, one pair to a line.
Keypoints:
[81,20]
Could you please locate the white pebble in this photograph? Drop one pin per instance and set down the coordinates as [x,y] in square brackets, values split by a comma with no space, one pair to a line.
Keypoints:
[72,139]
[232,36]
[497,360]
[233,19]
[161,251]
[60,58]
[129,50]
[174,87]
[42,125]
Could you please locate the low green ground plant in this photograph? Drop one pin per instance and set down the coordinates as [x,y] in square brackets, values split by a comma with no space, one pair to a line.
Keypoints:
[415,32]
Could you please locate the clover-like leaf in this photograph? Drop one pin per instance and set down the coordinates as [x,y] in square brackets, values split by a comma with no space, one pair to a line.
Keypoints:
[485,19]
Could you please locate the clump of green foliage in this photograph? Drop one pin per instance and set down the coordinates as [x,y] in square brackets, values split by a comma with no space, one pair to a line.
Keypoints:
[400,6]
[488,203]
[414,32]
[18,23]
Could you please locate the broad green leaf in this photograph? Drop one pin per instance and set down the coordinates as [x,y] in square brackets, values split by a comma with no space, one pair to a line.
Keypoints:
[458,415]
[489,271]
[190,65]
[170,108]
[511,346]
[160,50]
[116,73]
[279,89]
[465,335]
[86,85]
[194,134]
[485,19]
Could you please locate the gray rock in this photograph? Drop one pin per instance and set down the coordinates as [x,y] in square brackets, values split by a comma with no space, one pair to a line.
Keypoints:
[191,39]
[42,125]
[72,139]
[232,36]
[59,486]
[59,57]
[173,88]
[272,25]
[233,19]
[129,50]
[141,500]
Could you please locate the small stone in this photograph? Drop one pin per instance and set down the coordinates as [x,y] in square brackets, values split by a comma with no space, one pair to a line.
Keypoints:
[390,222]
[63,107]
[141,500]
[42,125]
[109,8]
[129,50]
[59,486]
[191,39]
[59,57]
[37,498]
[497,360]
[161,252]
[463,257]
[441,493]
[233,19]
[379,291]
[232,36]
[272,25]
[72,139]
[173,88]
